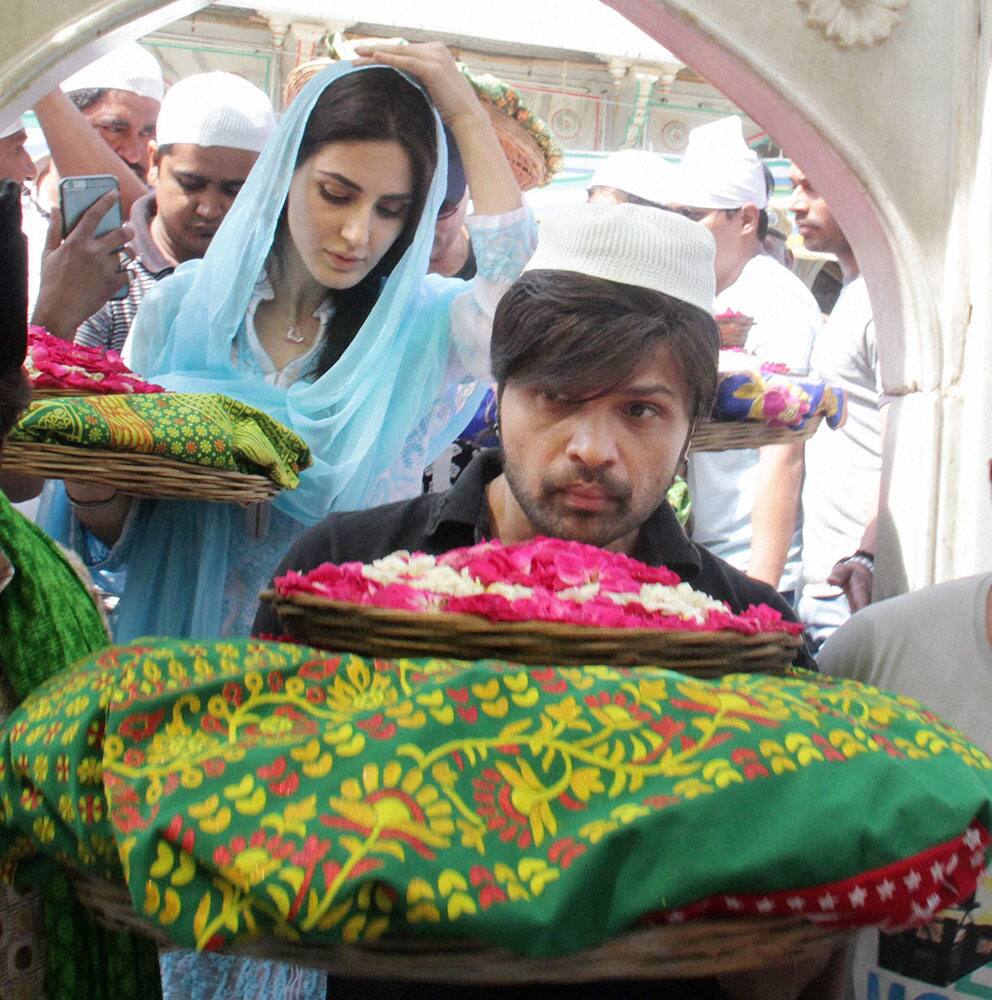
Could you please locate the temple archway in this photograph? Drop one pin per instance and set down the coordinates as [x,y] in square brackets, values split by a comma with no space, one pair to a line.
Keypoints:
[849,96]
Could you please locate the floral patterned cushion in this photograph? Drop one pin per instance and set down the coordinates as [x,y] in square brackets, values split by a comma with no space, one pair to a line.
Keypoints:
[248,786]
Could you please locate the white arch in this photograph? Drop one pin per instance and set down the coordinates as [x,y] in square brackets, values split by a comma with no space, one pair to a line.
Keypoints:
[898,136]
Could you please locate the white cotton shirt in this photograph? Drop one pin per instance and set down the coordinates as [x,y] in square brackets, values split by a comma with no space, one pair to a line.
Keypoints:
[932,645]
[722,484]
[843,465]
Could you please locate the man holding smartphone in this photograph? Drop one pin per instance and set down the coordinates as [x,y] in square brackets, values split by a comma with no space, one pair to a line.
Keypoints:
[101,124]
[211,129]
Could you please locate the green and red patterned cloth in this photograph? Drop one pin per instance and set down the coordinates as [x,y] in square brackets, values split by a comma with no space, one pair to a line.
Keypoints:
[198,429]
[48,619]
[251,787]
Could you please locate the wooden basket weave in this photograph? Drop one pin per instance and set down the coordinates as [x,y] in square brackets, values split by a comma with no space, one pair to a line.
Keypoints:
[697,948]
[726,435]
[734,330]
[522,151]
[139,475]
[47,392]
[373,631]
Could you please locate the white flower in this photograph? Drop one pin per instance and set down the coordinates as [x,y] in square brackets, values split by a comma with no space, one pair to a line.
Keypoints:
[580,594]
[855,22]
[511,591]
[681,600]
[422,573]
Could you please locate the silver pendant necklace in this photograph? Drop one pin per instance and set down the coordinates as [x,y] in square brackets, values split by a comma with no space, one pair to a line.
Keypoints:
[293,336]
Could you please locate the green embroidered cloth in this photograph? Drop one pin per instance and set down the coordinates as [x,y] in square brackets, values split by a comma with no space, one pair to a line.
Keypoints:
[47,620]
[208,429]
[245,787]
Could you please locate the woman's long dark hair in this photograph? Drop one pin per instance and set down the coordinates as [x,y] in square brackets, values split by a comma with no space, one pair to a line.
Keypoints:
[372,105]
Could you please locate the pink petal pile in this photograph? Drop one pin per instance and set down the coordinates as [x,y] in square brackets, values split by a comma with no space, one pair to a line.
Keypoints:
[53,363]
[546,580]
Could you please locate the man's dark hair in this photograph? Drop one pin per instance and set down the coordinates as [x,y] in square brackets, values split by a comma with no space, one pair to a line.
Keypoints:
[769,190]
[584,337]
[87,97]
[762,225]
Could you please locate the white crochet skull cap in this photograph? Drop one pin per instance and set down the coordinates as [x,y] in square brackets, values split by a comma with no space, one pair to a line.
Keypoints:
[719,169]
[630,244]
[638,172]
[215,109]
[12,128]
[129,67]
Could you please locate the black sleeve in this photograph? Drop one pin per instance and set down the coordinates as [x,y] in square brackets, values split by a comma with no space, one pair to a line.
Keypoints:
[768,595]
[318,545]
[352,536]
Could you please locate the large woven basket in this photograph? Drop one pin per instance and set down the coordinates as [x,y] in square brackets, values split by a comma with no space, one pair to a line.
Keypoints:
[726,435]
[697,948]
[139,475]
[373,631]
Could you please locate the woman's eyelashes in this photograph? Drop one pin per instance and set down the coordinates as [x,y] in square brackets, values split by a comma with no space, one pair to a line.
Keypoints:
[391,210]
[335,197]
[386,209]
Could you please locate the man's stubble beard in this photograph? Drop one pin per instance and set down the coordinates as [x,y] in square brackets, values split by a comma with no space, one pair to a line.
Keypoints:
[602,528]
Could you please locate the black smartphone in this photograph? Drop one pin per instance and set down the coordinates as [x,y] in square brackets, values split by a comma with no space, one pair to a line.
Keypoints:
[76,194]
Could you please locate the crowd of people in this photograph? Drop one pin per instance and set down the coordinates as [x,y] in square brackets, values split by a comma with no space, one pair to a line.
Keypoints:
[324,269]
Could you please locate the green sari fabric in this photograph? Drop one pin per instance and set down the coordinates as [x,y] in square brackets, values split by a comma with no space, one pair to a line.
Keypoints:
[248,787]
[208,429]
[47,620]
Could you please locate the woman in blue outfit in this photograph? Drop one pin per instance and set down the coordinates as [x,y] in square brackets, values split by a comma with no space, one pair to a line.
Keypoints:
[313,303]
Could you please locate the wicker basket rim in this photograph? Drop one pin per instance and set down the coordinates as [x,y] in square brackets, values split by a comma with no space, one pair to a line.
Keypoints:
[551,630]
[694,948]
[136,461]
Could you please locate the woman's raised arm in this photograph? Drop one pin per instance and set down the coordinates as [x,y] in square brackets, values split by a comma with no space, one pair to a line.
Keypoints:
[490,180]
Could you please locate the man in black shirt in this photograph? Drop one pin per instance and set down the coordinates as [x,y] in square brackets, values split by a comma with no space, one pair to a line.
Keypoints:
[600,376]
[438,522]
[604,355]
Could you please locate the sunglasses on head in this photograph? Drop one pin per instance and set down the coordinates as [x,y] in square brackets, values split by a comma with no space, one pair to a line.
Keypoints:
[448,208]
[698,214]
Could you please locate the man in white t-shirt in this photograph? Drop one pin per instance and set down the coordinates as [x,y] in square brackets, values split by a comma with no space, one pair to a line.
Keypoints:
[934,645]
[843,466]
[745,502]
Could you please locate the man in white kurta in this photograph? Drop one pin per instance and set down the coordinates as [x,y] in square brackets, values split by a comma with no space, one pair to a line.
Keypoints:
[843,466]
[745,502]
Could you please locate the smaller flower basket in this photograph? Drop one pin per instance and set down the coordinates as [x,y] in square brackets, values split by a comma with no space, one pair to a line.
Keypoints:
[136,474]
[530,147]
[373,631]
[695,948]
[734,328]
[726,435]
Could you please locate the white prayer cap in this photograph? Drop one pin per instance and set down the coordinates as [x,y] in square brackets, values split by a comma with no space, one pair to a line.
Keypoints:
[129,67]
[637,172]
[631,244]
[12,128]
[719,170]
[215,109]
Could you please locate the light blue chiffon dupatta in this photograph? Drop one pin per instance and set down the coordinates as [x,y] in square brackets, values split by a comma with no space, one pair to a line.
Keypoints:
[355,417]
